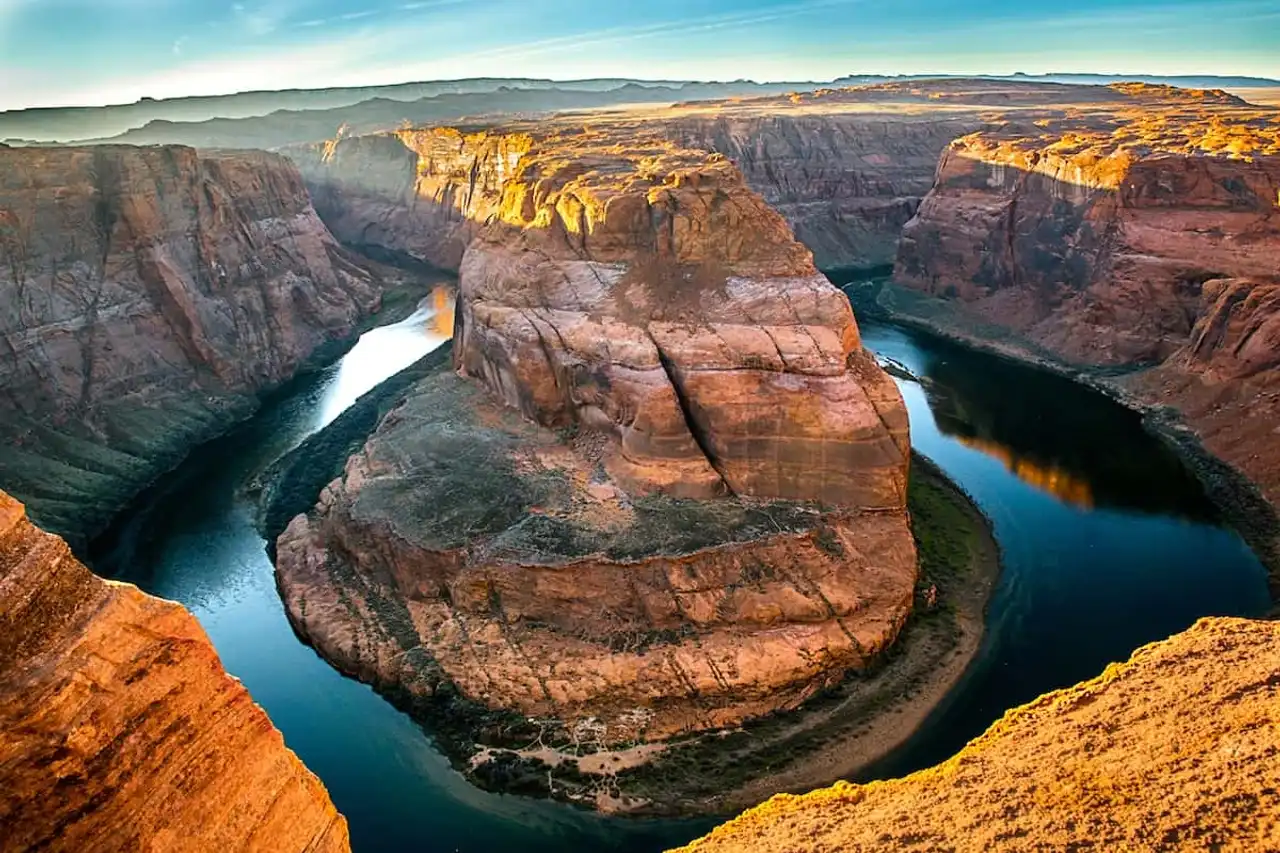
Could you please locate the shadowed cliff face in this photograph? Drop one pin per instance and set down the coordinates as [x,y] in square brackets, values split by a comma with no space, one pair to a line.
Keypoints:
[664,492]
[148,296]
[1174,749]
[847,184]
[119,729]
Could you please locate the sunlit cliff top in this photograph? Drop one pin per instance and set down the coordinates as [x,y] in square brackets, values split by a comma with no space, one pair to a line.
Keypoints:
[1171,750]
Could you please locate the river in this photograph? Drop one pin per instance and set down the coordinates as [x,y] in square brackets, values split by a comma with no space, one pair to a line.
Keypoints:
[1108,544]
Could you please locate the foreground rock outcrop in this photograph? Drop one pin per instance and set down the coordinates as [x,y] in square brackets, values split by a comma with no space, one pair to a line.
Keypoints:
[119,729]
[665,491]
[147,296]
[1177,749]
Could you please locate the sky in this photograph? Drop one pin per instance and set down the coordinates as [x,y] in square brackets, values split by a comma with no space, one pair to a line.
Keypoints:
[92,52]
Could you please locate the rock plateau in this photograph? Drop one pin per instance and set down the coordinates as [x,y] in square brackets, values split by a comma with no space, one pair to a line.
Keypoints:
[1177,749]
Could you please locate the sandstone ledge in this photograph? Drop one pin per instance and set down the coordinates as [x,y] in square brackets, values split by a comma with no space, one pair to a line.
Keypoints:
[1178,748]
[119,729]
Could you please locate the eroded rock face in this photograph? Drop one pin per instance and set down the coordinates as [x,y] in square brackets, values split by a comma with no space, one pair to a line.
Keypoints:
[1152,240]
[146,297]
[119,729]
[467,548]
[656,299]
[1175,749]
[665,490]
[847,184]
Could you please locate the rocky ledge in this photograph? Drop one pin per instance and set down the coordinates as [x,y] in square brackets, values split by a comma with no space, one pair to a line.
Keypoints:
[664,492]
[147,297]
[1176,749]
[119,729]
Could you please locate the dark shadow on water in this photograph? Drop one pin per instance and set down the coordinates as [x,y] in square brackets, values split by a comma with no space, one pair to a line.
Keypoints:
[1109,542]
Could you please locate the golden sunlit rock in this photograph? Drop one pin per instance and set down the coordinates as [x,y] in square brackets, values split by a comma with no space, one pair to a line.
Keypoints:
[119,729]
[1177,749]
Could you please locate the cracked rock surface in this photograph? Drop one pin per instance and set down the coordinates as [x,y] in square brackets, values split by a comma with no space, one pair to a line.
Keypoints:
[664,490]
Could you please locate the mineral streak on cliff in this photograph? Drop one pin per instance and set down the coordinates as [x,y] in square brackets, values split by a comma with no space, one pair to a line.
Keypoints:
[119,729]
[148,296]
[1177,749]
[668,492]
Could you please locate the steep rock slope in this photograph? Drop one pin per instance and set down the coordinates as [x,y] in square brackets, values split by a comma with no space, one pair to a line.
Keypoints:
[847,183]
[148,296]
[1177,749]
[121,731]
[1149,240]
[665,492]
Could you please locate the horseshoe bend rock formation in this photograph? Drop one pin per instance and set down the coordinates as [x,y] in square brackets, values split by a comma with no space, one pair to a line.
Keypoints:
[121,731]
[147,295]
[665,490]
[1150,240]
[1175,749]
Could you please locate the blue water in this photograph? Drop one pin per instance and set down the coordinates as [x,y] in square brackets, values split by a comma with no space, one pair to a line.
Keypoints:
[1126,551]
[1083,585]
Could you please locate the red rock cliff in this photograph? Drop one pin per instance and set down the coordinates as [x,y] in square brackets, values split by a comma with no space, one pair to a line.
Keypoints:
[119,729]
[666,492]
[1153,241]
[846,183]
[149,294]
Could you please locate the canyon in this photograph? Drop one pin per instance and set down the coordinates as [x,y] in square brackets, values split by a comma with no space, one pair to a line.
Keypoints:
[656,491]
[1138,249]
[151,296]
[122,732]
[665,490]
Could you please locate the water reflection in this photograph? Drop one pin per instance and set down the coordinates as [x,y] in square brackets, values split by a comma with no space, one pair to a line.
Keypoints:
[385,351]
[1108,542]
[1050,478]
[1056,435]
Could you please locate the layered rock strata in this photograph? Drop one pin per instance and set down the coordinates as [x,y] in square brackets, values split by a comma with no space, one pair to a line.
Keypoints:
[1175,749]
[665,491]
[121,731]
[148,297]
[846,183]
[1149,241]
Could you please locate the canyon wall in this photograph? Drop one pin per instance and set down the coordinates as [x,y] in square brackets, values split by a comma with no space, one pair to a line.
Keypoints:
[1152,242]
[119,729]
[1174,750]
[149,295]
[664,492]
[847,183]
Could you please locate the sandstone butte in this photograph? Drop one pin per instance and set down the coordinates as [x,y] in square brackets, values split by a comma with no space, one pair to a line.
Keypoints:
[665,490]
[149,296]
[1177,749]
[119,729]
[1144,238]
